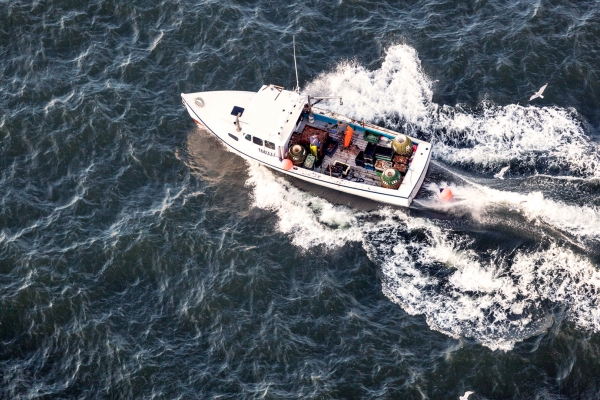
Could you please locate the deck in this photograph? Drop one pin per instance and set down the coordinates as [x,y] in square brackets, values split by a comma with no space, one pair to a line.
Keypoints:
[344,155]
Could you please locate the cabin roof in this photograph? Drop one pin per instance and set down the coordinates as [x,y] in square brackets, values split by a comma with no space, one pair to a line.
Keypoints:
[273,112]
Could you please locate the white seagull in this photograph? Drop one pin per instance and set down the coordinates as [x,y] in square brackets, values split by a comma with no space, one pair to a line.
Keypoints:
[539,93]
[466,395]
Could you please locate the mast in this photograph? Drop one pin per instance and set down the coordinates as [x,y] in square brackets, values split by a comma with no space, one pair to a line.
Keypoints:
[311,117]
[296,65]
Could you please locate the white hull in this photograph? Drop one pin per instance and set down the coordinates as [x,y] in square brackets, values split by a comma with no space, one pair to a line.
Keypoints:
[214,113]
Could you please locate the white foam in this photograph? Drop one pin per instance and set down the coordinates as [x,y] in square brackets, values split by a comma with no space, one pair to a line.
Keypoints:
[496,300]
[399,86]
[490,137]
[310,220]
[480,201]
[498,135]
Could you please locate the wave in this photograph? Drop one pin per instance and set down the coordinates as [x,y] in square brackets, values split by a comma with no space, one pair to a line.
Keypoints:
[311,221]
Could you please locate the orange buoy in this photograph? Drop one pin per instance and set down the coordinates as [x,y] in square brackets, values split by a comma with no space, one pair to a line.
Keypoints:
[446,194]
[348,136]
[287,164]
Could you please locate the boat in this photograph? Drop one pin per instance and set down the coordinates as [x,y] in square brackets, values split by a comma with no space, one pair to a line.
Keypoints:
[283,130]
[274,126]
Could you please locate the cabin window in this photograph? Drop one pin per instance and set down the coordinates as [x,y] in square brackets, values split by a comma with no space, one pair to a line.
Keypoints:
[231,135]
[257,141]
[269,145]
[248,136]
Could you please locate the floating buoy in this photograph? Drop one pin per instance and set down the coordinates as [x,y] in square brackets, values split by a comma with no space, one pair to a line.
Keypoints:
[446,194]
[287,164]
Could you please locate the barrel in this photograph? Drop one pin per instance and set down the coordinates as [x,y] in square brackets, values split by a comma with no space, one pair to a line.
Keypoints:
[402,145]
[390,179]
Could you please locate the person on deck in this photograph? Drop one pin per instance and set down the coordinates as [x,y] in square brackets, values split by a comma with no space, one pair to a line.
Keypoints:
[344,130]
[315,145]
[341,128]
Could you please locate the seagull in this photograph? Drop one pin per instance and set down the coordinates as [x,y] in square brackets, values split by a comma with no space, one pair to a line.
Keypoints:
[466,395]
[539,93]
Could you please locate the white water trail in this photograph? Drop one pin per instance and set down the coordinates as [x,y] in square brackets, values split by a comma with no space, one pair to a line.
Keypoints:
[523,135]
[377,96]
[498,298]
[480,201]
[311,221]
[494,298]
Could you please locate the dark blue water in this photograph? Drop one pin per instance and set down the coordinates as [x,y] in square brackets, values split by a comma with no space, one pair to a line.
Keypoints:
[140,259]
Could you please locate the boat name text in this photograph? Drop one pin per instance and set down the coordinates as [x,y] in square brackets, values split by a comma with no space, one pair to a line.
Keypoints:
[266,152]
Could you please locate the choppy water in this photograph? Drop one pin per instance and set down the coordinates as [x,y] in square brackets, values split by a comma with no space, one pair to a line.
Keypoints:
[140,259]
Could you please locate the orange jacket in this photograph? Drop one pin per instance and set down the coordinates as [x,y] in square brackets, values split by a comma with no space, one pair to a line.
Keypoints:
[348,136]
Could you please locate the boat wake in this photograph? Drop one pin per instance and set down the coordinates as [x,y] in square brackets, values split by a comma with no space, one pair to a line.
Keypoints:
[486,205]
[497,297]
[499,292]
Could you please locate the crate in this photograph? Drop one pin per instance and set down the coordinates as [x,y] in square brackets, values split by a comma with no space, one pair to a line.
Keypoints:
[382,165]
[369,153]
[330,147]
[402,168]
[345,167]
[400,159]
[371,137]
[360,159]
[309,162]
[334,171]
[384,153]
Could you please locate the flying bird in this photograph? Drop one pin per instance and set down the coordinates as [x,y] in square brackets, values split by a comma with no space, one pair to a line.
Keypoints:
[539,93]
[466,395]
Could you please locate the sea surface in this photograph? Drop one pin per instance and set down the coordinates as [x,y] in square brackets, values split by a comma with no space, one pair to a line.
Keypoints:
[139,259]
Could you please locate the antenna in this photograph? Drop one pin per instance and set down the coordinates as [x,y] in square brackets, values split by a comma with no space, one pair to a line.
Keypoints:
[296,65]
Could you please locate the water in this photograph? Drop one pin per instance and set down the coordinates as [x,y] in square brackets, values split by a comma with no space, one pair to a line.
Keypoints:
[140,259]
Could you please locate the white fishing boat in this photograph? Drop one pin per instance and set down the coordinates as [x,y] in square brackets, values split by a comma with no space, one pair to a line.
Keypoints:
[274,126]
[283,130]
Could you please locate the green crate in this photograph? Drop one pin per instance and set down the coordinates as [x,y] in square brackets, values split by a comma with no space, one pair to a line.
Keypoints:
[309,163]
[371,137]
